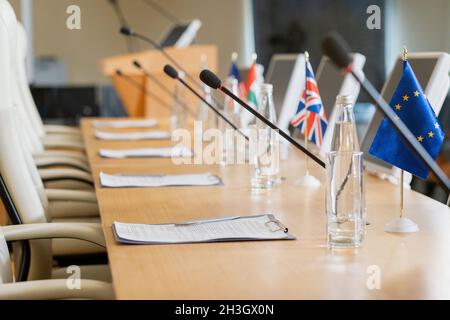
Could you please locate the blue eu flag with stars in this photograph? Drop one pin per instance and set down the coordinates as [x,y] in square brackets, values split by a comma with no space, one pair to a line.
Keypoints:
[413,108]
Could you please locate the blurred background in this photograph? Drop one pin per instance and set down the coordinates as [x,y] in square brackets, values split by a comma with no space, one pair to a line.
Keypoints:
[64,65]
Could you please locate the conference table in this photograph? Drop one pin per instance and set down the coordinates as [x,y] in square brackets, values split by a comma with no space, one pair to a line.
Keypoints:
[386,266]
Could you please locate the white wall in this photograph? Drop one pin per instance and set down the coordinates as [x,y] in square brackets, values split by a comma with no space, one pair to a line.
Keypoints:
[224,24]
[417,24]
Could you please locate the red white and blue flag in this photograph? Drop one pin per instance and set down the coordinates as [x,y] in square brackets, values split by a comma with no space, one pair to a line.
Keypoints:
[310,106]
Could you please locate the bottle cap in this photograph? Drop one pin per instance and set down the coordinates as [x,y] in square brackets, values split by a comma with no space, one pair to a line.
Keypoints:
[344,99]
[266,87]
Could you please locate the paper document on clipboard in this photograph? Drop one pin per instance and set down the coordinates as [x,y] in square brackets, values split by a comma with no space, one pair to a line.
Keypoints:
[238,228]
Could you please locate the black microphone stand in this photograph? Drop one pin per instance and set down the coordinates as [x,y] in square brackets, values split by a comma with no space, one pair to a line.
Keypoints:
[210,79]
[128,32]
[161,86]
[217,112]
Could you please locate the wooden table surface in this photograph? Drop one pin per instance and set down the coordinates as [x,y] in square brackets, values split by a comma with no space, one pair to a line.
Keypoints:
[410,266]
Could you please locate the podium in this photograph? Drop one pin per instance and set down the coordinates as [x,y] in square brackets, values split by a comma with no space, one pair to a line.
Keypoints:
[157,103]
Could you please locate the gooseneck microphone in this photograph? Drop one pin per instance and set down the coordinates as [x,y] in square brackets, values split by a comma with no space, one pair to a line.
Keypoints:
[211,80]
[128,32]
[149,94]
[140,87]
[335,47]
[138,65]
[171,72]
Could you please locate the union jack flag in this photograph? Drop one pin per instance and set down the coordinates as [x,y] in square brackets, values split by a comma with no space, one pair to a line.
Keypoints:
[310,106]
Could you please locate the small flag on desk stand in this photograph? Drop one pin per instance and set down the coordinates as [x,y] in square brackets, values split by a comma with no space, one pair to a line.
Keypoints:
[413,108]
[251,83]
[237,86]
[252,89]
[310,119]
[235,74]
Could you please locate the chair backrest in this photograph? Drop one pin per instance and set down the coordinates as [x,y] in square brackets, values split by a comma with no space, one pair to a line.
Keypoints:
[5,74]
[12,26]
[5,261]
[25,92]
[13,164]
[14,170]
[37,180]
[32,140]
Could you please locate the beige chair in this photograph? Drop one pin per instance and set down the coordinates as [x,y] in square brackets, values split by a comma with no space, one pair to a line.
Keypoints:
[43,130]
[15,156]
[62,288]
[72,169]
[51,136]
[34,203]
[66,144]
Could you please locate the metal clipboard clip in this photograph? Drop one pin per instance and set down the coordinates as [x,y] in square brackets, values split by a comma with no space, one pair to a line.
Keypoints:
[275,225]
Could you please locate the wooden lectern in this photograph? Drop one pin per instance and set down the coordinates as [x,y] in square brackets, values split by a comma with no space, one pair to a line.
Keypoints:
[157,103]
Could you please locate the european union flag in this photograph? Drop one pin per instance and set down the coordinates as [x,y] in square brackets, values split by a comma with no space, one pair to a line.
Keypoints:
[414,109]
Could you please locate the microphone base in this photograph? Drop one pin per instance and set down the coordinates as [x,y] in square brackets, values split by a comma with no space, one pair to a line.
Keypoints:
[401,225]
[308,181]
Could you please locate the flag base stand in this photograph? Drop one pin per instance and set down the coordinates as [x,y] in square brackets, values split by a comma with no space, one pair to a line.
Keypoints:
[308,181]
[401,225]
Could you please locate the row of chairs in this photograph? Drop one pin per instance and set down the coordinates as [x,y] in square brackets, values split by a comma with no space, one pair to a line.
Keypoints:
[47,190]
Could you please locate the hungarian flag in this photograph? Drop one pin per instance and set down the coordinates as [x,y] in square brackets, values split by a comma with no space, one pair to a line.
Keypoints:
[250,86]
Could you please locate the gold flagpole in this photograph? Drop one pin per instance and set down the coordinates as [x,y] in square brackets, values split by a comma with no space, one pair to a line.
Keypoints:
[306,118]
[402,224]
[254,57]
[401,193]
[234,56]
[402,173]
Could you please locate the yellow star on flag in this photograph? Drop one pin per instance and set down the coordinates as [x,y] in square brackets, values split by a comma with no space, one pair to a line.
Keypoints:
[436,125]
[405,97]
[416,93]
[420,138]
[431,134]
[398,106]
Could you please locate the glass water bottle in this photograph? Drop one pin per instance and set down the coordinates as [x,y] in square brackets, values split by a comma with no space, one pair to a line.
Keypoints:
[179,115]
[232,108]
[267,149]
[345,186]
[205,114]
[345,136]
[231,112]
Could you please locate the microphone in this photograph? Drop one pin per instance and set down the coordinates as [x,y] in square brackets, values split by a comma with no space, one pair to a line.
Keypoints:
[140,87]
[337,50]
[211,80]
[138,65]
[171,72]
[130,33]
[149,94]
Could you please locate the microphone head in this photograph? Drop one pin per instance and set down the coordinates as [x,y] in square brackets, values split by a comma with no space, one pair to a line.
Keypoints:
[137,64]
[337,49]
[170,71]
[210,79]
[126,31]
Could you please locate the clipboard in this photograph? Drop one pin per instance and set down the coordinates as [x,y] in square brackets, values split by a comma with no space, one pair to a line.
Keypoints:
[222,229]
